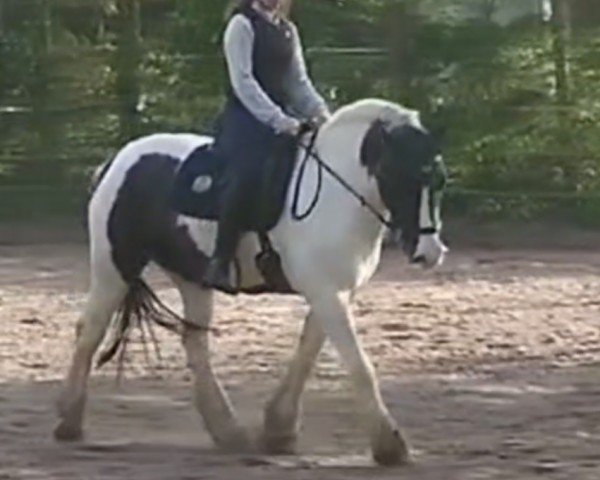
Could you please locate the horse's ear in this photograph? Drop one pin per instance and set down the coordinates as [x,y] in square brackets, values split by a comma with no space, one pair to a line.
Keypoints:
[373,145]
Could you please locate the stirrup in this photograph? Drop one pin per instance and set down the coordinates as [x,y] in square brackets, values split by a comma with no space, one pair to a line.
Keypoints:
[268,263]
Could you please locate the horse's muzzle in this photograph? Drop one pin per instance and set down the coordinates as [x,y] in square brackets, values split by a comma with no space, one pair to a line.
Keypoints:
[430,251]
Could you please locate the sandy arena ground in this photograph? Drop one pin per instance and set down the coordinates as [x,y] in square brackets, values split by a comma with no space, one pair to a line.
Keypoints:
[491,365]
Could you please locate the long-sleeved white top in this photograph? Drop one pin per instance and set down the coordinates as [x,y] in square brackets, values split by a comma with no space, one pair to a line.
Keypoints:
[305,101]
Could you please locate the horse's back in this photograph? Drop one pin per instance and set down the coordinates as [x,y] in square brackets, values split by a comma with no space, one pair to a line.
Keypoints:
[174,146]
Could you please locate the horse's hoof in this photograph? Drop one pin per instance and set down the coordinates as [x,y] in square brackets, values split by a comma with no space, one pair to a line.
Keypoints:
[64,432]
[279,444]
[390,448]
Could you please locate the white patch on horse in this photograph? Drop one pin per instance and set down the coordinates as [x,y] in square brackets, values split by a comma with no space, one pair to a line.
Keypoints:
[347,237]
[202,232]
[370,109]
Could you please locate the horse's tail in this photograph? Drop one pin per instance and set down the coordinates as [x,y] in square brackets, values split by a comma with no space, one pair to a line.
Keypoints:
[97,176]
[140,308]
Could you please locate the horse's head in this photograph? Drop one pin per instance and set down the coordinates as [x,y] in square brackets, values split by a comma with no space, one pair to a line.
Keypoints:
[407,163]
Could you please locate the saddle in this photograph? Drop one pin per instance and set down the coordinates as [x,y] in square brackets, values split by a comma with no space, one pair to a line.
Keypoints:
[201,179]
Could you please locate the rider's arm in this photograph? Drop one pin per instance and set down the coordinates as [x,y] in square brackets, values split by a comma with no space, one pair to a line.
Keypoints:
[305,99]
[238,47]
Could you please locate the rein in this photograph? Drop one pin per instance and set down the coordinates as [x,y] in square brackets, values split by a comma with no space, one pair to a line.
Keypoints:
[309,154]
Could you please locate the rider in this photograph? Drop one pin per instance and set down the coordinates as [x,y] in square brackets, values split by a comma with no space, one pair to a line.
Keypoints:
[269,90]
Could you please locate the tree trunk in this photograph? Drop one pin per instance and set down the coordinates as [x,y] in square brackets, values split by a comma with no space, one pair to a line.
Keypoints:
[585,13]
[489,8]
[44,167]
[126,65]
[2,59]
[1,18]
[41,164]
[47,23]
[561,29]
[100,25]
[403,24]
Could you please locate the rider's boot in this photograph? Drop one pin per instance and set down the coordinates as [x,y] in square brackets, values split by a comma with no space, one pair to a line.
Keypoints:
[218,272]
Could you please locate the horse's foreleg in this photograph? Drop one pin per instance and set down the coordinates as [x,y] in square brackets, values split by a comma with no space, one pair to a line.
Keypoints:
[210,399]
[282,413]
[104,299]
[388,445]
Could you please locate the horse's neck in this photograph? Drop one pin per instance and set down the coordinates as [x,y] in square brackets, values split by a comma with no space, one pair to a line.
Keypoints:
[340,148]
[339,211]
[339,232]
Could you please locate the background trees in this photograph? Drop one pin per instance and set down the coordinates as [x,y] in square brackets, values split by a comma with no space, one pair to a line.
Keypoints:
[515,83]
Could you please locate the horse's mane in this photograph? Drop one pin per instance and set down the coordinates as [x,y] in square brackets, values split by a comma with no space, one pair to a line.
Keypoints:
[371,109]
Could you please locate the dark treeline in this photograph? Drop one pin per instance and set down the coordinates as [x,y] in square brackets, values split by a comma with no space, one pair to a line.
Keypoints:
[514,82]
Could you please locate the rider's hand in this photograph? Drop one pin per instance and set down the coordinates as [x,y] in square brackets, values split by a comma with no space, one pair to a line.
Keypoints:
[320,118]
[291,128]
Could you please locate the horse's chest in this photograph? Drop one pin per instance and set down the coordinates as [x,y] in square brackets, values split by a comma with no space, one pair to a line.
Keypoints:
[340,267]
[367,266]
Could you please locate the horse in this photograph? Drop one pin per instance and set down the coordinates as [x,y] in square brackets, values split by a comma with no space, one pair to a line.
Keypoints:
[379,150]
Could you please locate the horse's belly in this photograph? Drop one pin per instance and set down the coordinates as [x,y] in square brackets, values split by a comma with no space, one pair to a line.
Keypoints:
[319,269]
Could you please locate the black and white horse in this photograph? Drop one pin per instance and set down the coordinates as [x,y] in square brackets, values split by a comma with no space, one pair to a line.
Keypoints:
[379,148]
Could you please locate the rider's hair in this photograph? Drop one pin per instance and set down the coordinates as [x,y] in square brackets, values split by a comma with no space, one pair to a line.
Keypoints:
[234,5]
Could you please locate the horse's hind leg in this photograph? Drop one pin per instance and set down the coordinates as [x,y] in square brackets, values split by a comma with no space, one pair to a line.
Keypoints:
[106,294]
[387,444]
[282,413]
[209,397]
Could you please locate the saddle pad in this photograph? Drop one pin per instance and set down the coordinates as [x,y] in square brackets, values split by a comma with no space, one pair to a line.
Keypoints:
[199,182]
[197,185]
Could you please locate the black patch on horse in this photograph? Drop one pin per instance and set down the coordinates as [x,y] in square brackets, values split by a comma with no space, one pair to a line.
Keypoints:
[142,227]
[372,147]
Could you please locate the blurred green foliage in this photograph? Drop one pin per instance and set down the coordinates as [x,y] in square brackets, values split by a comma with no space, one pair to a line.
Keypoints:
[80,77]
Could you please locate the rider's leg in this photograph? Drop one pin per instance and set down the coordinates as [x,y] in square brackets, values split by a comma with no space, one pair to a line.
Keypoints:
[245,143]
[232,214]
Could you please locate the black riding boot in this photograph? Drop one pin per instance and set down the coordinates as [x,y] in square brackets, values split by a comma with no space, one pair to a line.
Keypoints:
[218,272]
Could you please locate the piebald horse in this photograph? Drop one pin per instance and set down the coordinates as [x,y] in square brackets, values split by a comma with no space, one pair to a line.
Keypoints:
[383,153]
